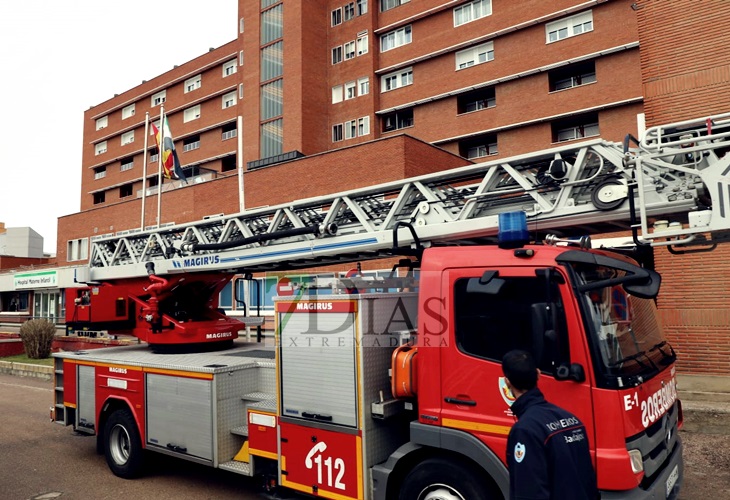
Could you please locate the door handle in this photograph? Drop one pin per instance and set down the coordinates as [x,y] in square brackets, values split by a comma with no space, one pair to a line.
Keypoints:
[465,402]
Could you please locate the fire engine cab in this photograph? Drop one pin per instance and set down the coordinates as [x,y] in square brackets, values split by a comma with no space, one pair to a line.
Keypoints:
[391,388]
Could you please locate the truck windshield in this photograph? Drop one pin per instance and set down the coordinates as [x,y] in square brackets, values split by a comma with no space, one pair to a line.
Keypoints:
[628,340]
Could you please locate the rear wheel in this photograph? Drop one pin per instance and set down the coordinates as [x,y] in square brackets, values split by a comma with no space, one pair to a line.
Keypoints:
[122,444]
[440,479]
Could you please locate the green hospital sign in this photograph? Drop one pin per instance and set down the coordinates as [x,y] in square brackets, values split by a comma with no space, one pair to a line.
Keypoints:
[35,280]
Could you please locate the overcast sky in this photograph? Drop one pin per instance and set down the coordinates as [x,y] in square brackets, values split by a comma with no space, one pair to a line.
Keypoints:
[59,58]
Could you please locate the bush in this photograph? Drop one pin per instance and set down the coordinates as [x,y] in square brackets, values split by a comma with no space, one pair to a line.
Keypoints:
[37,336]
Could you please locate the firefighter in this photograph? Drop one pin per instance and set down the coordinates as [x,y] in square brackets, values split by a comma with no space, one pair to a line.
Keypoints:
[547,448]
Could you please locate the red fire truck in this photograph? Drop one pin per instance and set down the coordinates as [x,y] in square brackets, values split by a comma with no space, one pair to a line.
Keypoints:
[391,387]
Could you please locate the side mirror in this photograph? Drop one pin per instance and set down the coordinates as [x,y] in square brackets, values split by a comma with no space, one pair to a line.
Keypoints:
[544,335]
[574,372]
[646,289]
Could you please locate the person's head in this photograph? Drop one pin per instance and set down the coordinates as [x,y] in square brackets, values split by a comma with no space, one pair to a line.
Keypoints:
[520,371]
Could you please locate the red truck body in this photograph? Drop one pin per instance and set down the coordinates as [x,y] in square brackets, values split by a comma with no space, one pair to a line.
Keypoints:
[331,409]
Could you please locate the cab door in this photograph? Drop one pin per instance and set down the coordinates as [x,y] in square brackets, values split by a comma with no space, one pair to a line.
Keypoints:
[491,312]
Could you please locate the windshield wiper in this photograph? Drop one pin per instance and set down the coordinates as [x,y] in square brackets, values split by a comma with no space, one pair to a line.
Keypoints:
[668,358]
[635,357]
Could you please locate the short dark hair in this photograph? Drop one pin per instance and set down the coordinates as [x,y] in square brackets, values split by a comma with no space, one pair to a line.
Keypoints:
[520,369]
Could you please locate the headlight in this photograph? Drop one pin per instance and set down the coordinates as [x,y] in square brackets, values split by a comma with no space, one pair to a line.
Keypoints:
[637,464]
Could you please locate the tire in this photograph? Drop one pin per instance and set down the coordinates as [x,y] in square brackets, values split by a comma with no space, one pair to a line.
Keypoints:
[122,445]
[440,479]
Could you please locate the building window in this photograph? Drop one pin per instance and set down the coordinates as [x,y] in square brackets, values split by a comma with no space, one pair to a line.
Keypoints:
[472,11]
[192,113]
[396,80]
[100,148]
[228,163]
[99,173]
[363,85]
[158,98]
[77,249]
[192,142]
[575,127]
[272,99]
[337,133]
[153,155]
[395,38]
[349,9]
[363,126]
[240,26]
[102,122]
[272,61]
[337,95]
[127,111]
[362,7]
[240,91]
[479,147]
[127,164]
[240,58]
[349,50]
[193,83]
[397,120]
[272,24]
[570,26]
[475,100]
[272,138]
[391,4]
[573,75]
[351,129]
[229,99]
[229,131]
[336,17]
[362,44]
[350,90]
[99,198]
[229,68]
[337,55]
[125,191]
[475,55]
[128,137]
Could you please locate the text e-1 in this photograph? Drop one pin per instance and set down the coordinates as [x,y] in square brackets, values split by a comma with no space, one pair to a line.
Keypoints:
[631,401]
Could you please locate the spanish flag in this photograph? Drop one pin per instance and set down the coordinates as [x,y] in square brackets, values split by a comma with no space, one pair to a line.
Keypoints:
[170,162]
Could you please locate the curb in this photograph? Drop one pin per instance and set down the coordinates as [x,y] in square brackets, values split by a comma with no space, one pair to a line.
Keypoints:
[26,370]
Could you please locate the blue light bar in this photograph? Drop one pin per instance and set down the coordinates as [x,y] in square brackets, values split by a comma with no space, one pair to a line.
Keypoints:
[513,230]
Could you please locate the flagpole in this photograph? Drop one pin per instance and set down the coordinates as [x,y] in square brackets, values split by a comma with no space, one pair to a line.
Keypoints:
[160,147]
[239,133]
[144,166]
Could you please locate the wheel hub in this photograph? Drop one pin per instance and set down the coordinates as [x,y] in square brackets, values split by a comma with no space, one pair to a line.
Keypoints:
[440,492]
[119,444]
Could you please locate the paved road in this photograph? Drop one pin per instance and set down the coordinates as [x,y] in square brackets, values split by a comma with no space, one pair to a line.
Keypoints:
[41,460]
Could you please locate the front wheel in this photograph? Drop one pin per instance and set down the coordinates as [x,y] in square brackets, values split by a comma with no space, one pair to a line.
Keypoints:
[123,446]
[440,479]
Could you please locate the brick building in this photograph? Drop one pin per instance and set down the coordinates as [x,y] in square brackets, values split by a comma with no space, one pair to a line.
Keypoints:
[342,94]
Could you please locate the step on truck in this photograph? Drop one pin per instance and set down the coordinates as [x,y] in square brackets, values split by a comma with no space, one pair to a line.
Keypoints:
[391,388]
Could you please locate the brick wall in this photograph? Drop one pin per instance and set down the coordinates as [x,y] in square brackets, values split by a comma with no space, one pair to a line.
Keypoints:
[693,305]
[686,74]
[684,61]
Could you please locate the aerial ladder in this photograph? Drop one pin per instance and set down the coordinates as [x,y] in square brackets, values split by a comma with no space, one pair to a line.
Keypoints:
[671,188]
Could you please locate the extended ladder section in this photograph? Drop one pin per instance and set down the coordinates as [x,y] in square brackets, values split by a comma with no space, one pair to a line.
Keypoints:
[677,174]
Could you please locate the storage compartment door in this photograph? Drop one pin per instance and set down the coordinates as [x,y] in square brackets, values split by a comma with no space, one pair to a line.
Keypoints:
[180,414]
[86,410]
[318,366]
